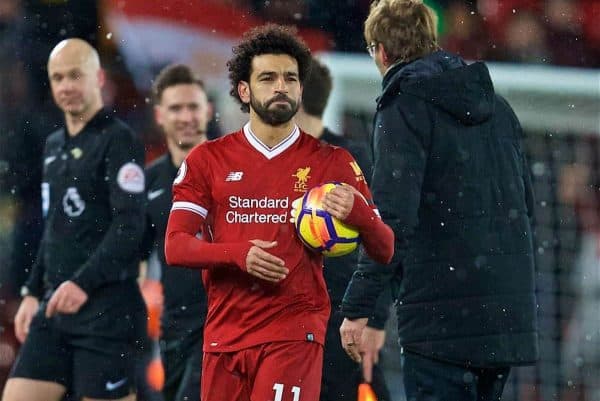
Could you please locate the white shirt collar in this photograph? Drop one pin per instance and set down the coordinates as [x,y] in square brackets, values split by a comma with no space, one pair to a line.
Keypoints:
[270,153]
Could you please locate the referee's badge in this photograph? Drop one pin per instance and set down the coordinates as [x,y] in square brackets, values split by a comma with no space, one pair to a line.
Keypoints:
[131,178]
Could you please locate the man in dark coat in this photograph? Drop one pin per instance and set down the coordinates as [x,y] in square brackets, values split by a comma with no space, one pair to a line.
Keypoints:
[338,270]
[451,179]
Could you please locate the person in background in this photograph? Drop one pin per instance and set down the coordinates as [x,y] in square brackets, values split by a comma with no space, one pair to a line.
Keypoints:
[182,111]
[579,187]
[338,270]
[267,299]
[451,179]
[82,315]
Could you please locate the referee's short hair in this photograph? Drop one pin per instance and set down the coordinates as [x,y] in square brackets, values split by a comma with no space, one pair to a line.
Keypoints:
[317,88]
[171,75]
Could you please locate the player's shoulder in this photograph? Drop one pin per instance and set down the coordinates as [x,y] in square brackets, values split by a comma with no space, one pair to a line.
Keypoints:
[327,150]
[307,141]
[214,147]
[111,129]
[57,137]
[119,130]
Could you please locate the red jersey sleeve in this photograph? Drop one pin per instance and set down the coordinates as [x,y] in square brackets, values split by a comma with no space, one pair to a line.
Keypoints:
[377,237]
[192,203]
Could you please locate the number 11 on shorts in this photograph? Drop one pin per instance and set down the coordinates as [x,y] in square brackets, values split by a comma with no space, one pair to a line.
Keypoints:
[278,388]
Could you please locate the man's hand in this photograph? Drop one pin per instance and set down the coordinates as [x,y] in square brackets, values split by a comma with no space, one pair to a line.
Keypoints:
[339,201]
[264,265]
[351,335]
[27,310]
[68,298]
[371,343]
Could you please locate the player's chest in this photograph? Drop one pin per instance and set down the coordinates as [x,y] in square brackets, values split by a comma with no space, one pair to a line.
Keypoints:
[74,163]
[274,179]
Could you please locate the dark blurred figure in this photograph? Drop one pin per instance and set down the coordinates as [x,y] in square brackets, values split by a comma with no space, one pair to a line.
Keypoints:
[565,33]
[12,28]
[49,21]
[286,12]
[23,127]
[21,142]
[465,33]
[580,188]
[524,40]
[342,19]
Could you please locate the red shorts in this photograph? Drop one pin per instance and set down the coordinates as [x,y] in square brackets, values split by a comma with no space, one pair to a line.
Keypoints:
[281,371]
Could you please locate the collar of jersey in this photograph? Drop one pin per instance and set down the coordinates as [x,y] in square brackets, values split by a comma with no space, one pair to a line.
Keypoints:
[268,152]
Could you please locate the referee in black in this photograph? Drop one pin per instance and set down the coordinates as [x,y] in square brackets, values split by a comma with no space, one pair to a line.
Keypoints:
[82,315]
[341,375]
[182,111]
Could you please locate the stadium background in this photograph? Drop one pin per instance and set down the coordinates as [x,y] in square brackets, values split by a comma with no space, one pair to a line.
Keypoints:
[545,54]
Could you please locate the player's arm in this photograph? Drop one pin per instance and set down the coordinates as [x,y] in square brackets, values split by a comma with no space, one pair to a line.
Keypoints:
[353,205]
[376,236]
[191,205]
[400,158]
[32,291]
[183,248]
[113,257]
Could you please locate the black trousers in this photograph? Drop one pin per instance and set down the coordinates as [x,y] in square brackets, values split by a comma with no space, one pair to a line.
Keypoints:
[183,366]
[341,375]
[182,361]
[427,379]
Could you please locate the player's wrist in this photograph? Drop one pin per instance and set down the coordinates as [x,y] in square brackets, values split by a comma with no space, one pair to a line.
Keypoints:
[240,253]
[361,214]
[27,291]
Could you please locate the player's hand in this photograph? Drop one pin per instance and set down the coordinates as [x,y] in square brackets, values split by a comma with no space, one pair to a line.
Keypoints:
[264,265]
[351,336]
[27,310]
[339,201]
[371,343]
[68,298]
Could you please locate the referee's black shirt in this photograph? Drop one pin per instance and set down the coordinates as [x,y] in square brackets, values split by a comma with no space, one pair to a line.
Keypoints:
[93,204]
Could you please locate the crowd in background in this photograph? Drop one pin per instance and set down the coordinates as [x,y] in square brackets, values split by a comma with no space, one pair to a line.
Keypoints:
[550,32]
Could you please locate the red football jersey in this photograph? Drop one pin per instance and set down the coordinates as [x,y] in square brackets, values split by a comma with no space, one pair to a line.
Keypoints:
[244,190]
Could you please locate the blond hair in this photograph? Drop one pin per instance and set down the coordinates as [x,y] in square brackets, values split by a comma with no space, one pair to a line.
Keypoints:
[405,28]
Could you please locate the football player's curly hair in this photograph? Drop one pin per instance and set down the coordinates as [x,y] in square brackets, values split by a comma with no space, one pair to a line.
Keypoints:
[266,39]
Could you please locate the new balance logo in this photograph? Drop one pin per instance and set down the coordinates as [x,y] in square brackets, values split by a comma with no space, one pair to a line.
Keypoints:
[234,176]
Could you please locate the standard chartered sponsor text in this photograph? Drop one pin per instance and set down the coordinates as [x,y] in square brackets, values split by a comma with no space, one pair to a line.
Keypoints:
[254,216]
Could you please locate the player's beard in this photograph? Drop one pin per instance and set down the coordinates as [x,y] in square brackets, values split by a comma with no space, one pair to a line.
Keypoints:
[277,116]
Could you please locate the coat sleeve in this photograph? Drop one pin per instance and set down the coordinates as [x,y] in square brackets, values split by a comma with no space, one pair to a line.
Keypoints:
[116,253]
[400,156]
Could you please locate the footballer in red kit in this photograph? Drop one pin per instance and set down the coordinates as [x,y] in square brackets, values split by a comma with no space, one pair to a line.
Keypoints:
[267,300]
[248,189]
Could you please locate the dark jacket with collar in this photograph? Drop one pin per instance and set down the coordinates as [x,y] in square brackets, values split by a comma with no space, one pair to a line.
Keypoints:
[185,299]
[451,179]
